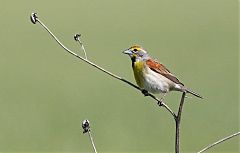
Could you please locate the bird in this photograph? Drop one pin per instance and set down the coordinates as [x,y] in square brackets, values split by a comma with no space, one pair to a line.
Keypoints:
[152,76]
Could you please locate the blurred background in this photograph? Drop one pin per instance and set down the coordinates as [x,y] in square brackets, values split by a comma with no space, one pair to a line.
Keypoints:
[46,93]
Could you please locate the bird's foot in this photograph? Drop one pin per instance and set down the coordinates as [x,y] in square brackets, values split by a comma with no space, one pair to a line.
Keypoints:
[160,102]
[145,92]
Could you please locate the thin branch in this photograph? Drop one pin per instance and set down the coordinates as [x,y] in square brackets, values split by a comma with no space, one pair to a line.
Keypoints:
[177,121]
[219,141]
[35,19]
[91,138]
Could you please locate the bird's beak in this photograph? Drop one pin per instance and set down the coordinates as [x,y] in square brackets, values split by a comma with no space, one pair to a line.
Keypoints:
[128,51]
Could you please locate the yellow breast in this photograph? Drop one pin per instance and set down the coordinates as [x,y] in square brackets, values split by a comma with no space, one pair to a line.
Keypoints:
[138,69]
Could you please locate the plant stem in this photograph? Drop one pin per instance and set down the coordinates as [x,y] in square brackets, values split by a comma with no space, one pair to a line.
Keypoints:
[177,122]
[177,117]
[219,141]
[91,139]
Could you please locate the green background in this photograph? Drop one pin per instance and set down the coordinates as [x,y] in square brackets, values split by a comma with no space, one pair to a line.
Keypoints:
[46,93]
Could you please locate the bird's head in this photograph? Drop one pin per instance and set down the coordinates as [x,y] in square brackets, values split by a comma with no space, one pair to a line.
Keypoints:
[136,52]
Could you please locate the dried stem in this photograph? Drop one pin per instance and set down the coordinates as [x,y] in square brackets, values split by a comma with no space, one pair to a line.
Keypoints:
[177,122]
[177,117]
[219,141]
[92,142]
[160,102]
[77,38]
[86,129]
[35,19]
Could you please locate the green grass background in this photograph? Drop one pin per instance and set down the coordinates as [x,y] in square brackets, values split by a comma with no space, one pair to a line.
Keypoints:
[45,93]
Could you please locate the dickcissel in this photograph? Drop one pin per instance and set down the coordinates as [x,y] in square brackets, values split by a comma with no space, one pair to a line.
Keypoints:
[152,76]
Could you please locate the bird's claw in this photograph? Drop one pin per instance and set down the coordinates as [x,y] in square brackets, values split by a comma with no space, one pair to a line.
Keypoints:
[145,92]
[160,102]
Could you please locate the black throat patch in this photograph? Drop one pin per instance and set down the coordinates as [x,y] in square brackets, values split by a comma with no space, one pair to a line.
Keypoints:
[133,59]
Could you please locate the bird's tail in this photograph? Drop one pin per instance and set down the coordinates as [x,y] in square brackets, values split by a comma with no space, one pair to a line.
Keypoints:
[193,93]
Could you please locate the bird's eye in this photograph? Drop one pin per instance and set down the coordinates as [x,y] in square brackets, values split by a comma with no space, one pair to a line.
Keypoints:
[135,49]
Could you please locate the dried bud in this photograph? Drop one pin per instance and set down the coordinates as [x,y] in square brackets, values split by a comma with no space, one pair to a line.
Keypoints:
[33,18]
[77,37]
[86,126]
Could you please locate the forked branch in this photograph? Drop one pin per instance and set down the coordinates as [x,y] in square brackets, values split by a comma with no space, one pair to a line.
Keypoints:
[177,117]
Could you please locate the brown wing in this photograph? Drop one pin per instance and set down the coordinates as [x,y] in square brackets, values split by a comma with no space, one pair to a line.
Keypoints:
[161,69]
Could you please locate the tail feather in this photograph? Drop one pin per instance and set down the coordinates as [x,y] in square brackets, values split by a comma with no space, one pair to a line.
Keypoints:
[193,93]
